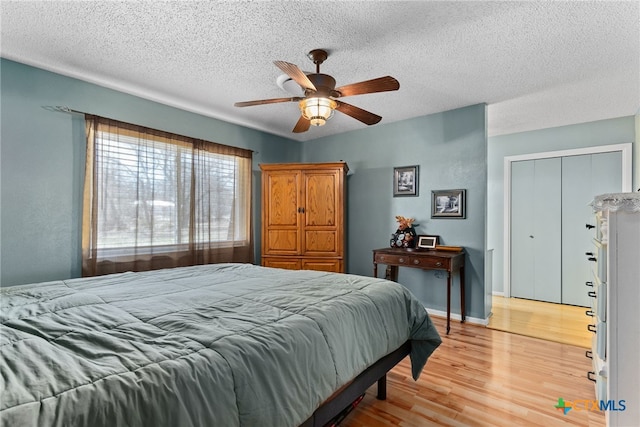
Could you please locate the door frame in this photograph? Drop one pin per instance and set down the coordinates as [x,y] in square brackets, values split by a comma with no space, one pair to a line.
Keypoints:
[625,149]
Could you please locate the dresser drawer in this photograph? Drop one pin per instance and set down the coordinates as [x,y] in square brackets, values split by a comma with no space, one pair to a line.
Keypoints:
[601,301]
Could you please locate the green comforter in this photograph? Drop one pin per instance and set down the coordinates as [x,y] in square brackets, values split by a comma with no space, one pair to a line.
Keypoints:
[217,345]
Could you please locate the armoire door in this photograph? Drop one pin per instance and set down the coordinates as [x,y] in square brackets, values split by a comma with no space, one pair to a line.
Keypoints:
[282,193]
[583,177]
[536,229]
[322,213]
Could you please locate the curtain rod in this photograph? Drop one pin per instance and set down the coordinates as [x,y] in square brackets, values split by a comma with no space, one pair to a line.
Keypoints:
[65,109]
[62,109]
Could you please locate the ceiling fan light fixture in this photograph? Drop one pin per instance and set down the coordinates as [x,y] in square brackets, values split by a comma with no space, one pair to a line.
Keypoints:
[317,110]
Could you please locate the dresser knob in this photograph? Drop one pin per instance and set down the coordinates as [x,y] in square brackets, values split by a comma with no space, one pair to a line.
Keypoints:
[592,259]
[589,376]
[416,261]
[592,294]
[438,264]
[401,260]
[589,284]
[591,328]
[589,226]
[589,313]
[588,354]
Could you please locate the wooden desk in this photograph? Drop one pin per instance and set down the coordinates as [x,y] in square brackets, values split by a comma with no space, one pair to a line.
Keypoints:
[425,260]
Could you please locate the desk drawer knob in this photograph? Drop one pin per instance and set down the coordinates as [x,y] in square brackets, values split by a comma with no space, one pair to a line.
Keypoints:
[438,264]
[416,261]
[401,260]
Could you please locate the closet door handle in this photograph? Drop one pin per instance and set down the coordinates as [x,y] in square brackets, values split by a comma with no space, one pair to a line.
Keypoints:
[300,210]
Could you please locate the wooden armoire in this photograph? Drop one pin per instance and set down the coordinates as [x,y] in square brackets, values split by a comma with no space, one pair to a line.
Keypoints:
[303,216]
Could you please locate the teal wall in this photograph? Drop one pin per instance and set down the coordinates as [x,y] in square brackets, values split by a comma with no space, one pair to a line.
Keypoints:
[42,164]
[42,158]
[451,150]
[603,132]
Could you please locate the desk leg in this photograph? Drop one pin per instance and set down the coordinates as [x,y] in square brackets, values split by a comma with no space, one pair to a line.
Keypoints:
[462,295]
[448,301]
[375,270]
[392,273]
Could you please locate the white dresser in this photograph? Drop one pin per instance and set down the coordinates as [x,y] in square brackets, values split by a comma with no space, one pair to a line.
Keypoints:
[615,307]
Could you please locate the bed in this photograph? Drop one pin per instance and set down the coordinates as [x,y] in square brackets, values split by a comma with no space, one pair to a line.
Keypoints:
[215,345]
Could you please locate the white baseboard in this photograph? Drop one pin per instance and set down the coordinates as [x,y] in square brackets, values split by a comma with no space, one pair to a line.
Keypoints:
[498,294]
[456,316]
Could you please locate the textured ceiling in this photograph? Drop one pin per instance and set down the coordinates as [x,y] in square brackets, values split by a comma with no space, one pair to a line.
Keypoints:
[536,64]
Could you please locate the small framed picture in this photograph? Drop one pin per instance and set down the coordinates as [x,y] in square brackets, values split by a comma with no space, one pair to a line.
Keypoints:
[427,242]
[405,181]
[448,204]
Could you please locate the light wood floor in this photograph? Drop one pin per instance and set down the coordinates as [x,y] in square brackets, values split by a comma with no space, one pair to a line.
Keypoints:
[553,322]
[484,377]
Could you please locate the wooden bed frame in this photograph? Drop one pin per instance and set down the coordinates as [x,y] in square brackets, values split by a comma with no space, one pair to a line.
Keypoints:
[376,372]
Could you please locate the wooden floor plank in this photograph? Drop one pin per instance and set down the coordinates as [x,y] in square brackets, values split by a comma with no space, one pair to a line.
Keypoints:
[484,377]
[566,324]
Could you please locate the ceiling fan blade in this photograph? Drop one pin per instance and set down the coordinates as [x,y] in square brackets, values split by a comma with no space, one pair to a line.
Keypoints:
[302,125]
[296,74]
[357,113]
[266,101]
[381,84]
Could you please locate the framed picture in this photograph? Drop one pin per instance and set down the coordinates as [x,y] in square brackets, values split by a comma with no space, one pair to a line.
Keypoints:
[448,204]
[405,181]
[427,242]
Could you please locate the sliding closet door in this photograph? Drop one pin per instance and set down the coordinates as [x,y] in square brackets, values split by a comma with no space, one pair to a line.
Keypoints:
[583,177]
[522,247]
[536,210]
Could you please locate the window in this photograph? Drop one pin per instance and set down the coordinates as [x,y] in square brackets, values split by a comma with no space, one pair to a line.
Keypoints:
[156,200]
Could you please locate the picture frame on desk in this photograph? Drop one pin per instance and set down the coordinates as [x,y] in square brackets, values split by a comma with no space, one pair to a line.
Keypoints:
[427,242]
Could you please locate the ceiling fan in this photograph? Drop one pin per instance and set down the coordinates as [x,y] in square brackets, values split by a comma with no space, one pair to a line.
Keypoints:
[321,95]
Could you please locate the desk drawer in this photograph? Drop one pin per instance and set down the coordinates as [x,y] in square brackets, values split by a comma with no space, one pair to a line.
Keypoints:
[434,263]
[392,259]
[413,261]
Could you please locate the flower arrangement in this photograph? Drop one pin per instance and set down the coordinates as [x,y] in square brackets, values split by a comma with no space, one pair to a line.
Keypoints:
[404,223]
